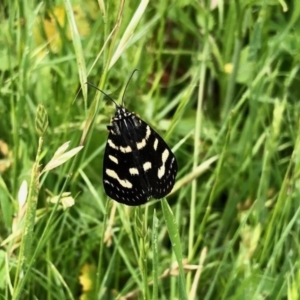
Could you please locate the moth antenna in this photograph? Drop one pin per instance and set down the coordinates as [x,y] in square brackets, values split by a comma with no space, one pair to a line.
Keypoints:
[110,98]
[127,85]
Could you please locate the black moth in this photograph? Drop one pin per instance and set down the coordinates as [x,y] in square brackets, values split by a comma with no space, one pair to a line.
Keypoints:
[137,164]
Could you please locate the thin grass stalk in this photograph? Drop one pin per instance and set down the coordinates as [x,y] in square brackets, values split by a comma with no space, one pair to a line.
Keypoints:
[78,50]
[95,105]
[144,254]
[25,256]
[99,276]
[128,32]
[195,158]
[155,256]
[26,242]
[176,246]
[235,62]
[269,235]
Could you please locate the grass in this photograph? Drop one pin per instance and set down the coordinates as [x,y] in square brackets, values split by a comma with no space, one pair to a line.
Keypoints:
[220,84]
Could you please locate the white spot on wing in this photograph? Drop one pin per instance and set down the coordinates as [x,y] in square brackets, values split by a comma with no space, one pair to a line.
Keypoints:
[114,159]
[133,171]
[125,149]
[147,166]
[148,132]
[113,174]
[162,169]
[111,144]
[143,142]
[155,144]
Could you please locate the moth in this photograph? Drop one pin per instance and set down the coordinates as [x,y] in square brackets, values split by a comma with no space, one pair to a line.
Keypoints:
[137,163]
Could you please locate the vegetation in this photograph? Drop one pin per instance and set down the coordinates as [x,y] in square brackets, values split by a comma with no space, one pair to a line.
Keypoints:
[219,80]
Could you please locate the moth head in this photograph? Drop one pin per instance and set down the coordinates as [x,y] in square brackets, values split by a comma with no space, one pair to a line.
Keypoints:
[121,113]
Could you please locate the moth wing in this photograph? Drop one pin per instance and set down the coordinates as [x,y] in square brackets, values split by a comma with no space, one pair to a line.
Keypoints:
[121,175]
[162,174]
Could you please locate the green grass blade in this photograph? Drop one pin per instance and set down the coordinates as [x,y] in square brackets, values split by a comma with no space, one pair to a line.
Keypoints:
[176,246]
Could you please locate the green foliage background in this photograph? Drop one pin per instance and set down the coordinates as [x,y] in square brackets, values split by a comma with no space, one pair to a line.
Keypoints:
[219,80]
